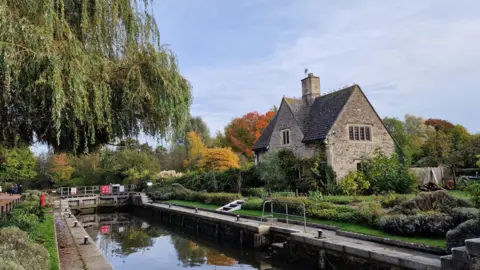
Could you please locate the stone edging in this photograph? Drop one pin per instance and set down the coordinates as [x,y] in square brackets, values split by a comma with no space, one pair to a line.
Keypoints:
[56,239]
[371,238]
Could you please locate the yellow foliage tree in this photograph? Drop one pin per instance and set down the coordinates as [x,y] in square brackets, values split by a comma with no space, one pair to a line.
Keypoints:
[195,151]
[219,159]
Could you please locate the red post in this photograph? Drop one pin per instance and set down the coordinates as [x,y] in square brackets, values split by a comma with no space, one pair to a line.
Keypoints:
[42,200]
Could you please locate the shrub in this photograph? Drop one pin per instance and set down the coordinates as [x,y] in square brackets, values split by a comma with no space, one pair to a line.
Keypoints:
[253,204]
[213,198]
[429,224]
[370,212]
[329,214]
[474,191]
[350,217]
[469,229]
[315,196]
[392,199]
[23,220]
[338,199]
[255,192]
[462,214]
[354,183]
[17,251]
[388,174]
[283,194]
[430,201]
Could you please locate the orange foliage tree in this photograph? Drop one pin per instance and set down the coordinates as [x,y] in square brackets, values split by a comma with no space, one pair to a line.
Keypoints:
[60,167]
[202,158]
[244,131]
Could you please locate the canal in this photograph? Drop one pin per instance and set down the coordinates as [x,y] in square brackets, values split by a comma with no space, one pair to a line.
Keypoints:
[131,242]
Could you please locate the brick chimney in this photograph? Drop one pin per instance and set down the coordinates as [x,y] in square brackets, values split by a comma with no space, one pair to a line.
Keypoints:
[310,88]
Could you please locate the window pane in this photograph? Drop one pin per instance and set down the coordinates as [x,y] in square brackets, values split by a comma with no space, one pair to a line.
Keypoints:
[362,133]
[288,136]
[284,137]
[357,137]
[359,166]
[367,134]
[350,133]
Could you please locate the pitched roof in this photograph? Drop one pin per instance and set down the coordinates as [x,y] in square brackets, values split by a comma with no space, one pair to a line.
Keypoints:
[264,139]
[316,120]
[300,111]
[324,112]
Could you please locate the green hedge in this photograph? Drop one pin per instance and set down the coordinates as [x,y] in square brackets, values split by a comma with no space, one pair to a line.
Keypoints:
[221,198]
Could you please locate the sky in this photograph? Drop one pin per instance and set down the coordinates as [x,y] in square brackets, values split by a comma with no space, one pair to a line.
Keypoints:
[409,57]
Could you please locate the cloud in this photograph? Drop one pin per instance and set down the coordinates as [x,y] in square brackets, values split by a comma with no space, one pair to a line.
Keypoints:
[409,57]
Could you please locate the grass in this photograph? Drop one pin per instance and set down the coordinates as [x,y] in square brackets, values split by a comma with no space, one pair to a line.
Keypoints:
[460,194]
[342,225]
[44,234]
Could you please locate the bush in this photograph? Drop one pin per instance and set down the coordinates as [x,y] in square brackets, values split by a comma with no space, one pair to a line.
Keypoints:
[474,191]
[429,224]
[213,198]
[350,217]
[392,199]
[328,214]
[430,201]
[354,183]
[17,251]
[254,192]
[283,194]
[370,212]
[338,199]
[469,229]
[462,214]
[388,174]
[253,204]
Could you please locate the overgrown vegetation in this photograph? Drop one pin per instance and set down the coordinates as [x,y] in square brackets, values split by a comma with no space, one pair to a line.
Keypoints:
[35,246]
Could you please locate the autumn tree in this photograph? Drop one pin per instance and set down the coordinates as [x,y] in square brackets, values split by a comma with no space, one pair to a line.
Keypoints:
[79,74]
[195,151]
[241,133]
[60,168]
[219,159]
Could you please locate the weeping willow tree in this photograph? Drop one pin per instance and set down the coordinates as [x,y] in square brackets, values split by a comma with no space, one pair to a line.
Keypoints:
[77,74]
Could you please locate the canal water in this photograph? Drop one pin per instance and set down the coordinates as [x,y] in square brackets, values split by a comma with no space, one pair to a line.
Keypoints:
[131,242]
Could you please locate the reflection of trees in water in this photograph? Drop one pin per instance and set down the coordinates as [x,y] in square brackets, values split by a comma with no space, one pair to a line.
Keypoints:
[191,254]
[131,240]
[139,236]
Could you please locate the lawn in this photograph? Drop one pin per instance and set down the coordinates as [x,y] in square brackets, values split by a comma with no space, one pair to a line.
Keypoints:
[342,225]
[44,234]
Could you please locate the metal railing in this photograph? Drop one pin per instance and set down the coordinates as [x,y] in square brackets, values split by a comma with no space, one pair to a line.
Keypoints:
[67,192]
[286,215]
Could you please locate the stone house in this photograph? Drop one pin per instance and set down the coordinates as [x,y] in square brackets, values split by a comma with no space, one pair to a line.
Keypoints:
[344,122]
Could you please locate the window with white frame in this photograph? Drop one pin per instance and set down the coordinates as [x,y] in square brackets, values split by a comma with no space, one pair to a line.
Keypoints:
[359,133]
[285,136]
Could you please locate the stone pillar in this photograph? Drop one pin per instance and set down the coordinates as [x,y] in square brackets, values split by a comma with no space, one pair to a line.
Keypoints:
[473,251]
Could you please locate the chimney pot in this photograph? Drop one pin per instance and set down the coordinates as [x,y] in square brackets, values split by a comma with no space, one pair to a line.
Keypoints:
[310,74]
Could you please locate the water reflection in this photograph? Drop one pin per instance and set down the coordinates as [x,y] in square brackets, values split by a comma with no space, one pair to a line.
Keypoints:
[130,242]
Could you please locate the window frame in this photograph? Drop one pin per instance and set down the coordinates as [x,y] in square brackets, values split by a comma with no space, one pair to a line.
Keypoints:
[359,133]
[283,137]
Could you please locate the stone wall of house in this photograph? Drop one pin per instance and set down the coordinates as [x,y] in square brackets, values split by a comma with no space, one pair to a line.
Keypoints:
[286,120]
[344,154]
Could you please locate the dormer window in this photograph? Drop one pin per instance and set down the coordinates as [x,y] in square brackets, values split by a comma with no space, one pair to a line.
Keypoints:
[359,133]
[286,136]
